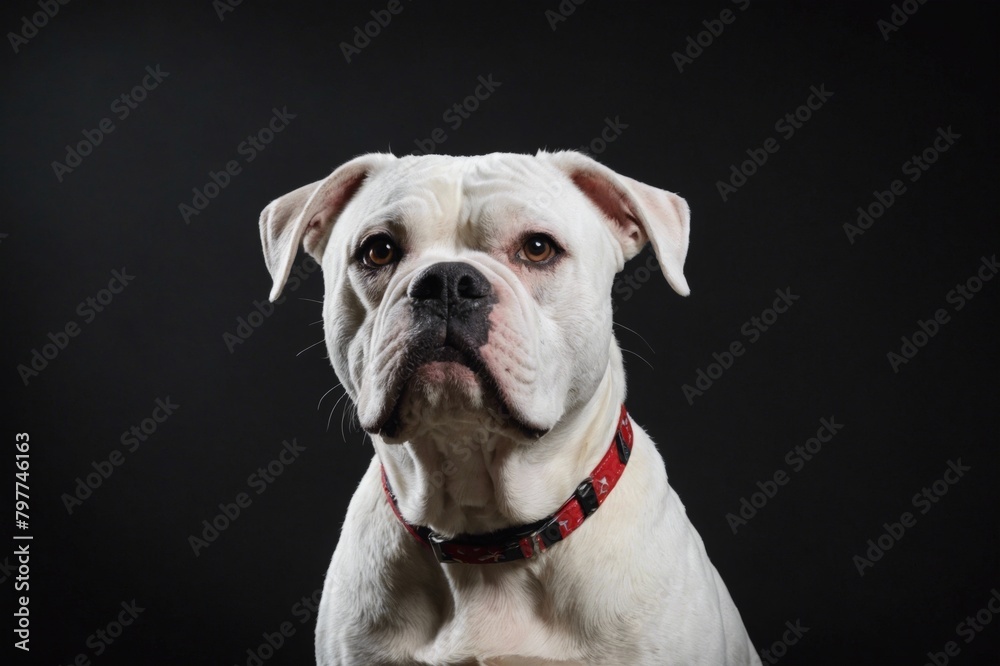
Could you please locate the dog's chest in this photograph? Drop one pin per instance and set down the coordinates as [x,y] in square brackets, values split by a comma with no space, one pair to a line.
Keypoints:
[496,615]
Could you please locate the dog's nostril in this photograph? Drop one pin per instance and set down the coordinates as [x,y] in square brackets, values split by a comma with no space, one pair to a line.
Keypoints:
[471,287]
[428,285]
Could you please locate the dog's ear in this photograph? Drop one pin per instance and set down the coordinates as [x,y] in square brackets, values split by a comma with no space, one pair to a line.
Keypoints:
[307,214]
[638,212]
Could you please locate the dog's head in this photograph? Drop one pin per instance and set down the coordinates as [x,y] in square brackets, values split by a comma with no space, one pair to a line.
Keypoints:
[479,282]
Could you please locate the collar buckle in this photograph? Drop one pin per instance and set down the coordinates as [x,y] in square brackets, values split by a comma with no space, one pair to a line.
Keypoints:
[435,540]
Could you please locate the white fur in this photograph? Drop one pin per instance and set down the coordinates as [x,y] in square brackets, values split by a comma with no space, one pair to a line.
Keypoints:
[633,584]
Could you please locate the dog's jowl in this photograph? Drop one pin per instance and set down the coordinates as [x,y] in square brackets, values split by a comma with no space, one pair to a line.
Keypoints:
[512,513]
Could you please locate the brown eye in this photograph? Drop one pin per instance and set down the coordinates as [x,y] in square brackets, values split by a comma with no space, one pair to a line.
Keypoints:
[537,249]
[379,251]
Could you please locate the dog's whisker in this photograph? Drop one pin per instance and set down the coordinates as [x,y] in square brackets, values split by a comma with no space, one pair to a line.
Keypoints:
[311,300]
[326,394]
[330,418]
[640,358]
[353,424]
[318,321]
[636,333]
[340,398]
[310,347]
[356,422]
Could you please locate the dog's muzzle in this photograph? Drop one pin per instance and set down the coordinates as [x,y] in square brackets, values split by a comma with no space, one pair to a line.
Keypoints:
[451,303]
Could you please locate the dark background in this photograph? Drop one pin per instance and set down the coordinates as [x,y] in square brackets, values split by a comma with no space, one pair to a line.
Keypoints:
[826,357]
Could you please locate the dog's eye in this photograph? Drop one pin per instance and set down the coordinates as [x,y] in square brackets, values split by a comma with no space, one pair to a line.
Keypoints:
[538,249]
[378,251]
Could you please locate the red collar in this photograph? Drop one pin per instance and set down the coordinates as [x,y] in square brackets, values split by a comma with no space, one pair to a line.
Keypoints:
[525,541]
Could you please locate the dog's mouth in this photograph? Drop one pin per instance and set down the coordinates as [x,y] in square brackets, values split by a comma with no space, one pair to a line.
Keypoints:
[442,375]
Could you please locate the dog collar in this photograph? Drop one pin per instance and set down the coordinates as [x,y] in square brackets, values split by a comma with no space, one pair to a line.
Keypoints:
[526,541]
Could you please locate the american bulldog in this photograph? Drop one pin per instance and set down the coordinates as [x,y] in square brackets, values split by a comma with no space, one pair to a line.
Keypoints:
[512,513]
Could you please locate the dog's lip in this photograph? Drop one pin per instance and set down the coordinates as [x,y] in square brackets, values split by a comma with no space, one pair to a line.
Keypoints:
[444,352]
[387,424]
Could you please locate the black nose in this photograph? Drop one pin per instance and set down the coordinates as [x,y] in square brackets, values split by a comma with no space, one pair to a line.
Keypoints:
[451,284]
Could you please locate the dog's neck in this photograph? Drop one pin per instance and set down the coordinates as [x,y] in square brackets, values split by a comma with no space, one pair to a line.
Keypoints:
[465,472]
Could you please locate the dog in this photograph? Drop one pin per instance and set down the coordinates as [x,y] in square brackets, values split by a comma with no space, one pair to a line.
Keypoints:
[512,513]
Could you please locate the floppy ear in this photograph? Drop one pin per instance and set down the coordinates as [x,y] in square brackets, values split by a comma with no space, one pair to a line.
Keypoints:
[638,212]
[307,214]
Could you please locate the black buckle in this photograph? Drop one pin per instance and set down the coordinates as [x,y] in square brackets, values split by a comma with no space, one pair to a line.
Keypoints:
[435,541]
[586,496]
[548,534]
[623,451]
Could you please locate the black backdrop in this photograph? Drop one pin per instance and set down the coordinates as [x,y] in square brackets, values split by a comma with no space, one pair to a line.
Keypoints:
[173,332]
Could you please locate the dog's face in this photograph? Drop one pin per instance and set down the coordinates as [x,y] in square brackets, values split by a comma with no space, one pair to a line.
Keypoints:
[471,284]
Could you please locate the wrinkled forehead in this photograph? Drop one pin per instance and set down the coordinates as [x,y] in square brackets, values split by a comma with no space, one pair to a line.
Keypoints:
[466,194]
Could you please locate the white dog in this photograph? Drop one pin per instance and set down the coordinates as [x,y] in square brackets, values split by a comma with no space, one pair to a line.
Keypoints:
[512,513]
